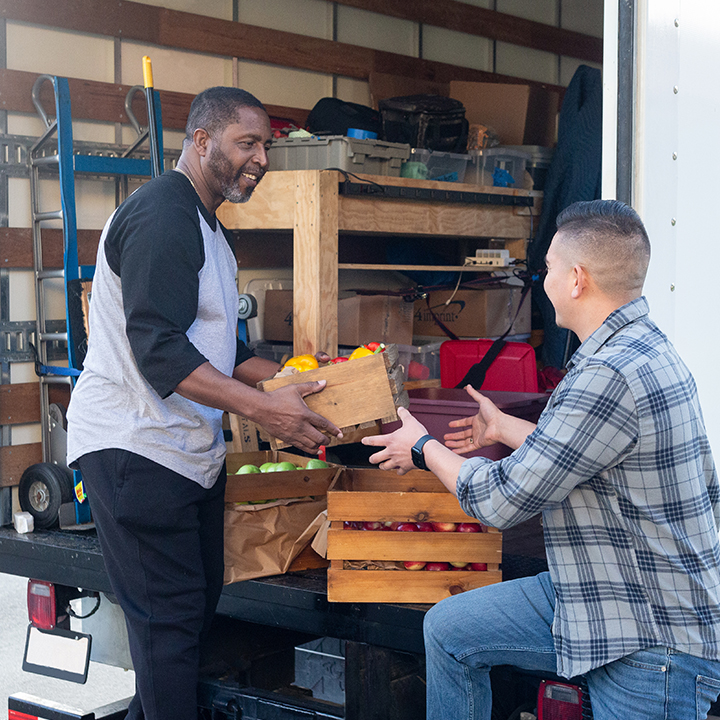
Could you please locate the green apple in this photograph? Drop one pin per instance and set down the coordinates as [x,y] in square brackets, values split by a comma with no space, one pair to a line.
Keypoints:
[316,464]
[248,470]
[267,467]
[285,466]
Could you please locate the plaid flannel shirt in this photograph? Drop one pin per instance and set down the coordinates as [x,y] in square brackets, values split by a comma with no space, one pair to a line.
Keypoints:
[621,469]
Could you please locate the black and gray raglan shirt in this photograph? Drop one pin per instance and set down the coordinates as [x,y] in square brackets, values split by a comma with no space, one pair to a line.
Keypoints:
[164,301]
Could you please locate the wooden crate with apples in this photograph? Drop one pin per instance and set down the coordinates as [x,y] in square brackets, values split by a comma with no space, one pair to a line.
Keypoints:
[377,556]
[358,393]
[286,483]
[265,487]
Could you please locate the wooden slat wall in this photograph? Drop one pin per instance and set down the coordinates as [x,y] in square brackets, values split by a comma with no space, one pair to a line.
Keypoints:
[199,33]
[105,102]
[461,17]
[20,402]
[15,459]
[20,405]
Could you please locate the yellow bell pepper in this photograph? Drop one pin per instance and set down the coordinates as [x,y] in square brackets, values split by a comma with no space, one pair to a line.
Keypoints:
[359,352]
[302,362]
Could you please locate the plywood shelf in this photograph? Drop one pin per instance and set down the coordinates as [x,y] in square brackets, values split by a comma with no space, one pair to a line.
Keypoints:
[308,203]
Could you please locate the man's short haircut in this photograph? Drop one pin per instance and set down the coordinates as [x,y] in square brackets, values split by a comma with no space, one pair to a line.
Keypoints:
[216,108]
[609,239]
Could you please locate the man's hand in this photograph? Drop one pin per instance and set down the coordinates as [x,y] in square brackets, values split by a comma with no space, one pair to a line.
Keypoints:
[490,425]
[286,417]
[397,445]
[479,430]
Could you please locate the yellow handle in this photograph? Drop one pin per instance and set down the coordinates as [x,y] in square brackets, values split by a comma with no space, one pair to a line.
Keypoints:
[147,71]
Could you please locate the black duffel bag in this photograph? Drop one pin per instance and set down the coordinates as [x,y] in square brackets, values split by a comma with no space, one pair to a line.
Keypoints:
[425,121]
[331,116]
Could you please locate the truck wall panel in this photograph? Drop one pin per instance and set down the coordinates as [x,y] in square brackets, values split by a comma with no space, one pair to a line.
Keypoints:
[307,17]
[380,32]
[59,52]
[456,48]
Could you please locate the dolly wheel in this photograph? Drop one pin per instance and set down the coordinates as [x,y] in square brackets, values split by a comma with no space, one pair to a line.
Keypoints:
[43,488]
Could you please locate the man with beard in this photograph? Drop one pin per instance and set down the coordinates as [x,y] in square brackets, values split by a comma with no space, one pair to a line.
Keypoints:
[163,363]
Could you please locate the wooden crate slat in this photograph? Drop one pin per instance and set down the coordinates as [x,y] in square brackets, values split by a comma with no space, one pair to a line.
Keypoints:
[423,547]
[403,586]
[356,392]
[376,480]
[396,506]
[268,486]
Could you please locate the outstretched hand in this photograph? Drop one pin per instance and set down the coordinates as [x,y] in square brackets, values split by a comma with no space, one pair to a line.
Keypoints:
[395,454]
[478,431]
[288,418]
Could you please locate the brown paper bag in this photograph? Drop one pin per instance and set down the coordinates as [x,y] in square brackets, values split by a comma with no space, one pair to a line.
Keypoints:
[262,541]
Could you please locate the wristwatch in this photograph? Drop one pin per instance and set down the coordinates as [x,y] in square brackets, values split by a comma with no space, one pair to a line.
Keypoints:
[416,453]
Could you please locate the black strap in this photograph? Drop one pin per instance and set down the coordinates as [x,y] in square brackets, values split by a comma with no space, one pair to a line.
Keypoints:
[475,376]
[439,322]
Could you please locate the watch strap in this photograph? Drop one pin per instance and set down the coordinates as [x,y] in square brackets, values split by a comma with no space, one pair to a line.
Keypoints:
[418,456]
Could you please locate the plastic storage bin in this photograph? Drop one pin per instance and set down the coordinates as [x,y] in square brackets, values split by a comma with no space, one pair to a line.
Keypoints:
[484,164]
[514,369]
[320,667]
[373,157]
[420,362]
[436,407]
[538,164]
[432,165]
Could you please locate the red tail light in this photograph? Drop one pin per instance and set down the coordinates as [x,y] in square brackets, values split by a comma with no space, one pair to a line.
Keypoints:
[16,715]
[558,701]
[41,604]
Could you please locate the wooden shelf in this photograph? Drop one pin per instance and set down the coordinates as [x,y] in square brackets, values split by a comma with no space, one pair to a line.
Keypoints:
[308,202]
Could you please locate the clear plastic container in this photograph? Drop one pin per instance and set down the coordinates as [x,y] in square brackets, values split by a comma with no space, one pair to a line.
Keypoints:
[420,362]
[433,165]
[487,166]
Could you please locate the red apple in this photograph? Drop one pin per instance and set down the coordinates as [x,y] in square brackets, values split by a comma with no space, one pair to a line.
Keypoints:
[478,566]
[437,566]
[444,527]
[458,565]
[425,527]
[351,525]
[469,527]
[407,527]
[413,565]
[373,526]
[391,525]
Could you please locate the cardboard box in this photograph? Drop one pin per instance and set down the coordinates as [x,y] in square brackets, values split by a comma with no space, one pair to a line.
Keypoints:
[520,114]
[473,313]
[361,318]
[374,495]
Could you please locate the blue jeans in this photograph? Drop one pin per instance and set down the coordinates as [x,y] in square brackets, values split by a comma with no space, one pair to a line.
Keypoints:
[510,624]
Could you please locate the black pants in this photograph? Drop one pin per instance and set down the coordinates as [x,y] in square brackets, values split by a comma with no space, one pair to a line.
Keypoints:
[161,536]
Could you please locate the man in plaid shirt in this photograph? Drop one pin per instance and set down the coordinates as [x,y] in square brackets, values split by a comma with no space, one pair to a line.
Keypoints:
[620,467]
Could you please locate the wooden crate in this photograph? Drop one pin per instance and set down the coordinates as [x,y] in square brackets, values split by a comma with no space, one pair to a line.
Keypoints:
[269,486]
[357,393]
[376,495]
[276,485]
